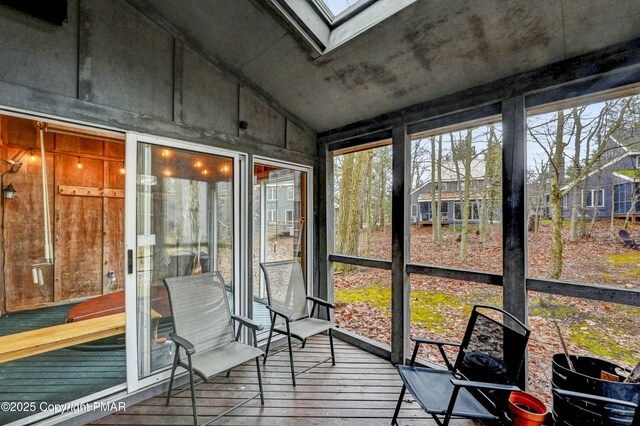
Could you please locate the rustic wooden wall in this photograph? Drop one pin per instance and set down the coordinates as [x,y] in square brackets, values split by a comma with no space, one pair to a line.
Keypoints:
[88,230]
[23,220]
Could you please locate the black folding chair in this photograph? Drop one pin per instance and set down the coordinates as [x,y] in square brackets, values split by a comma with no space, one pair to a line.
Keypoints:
[204,334]
[287,297]
[485,372]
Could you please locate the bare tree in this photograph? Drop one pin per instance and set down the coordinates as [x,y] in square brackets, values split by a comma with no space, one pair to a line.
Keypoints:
[463,154]
[352,182]
[554,136]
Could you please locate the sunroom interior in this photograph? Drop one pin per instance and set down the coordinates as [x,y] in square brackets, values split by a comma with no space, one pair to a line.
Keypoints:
[416,158]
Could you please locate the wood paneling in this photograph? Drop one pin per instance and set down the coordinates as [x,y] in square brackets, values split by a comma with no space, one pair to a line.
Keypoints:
[114,149]
[78,231]
[23,232]
[78,145]
[113,228]
[87,223]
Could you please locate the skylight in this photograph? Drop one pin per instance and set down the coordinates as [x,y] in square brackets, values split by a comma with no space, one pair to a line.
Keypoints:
[327,24]
[338,6]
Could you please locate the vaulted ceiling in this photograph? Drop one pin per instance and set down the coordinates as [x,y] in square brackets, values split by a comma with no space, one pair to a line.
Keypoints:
[427,50]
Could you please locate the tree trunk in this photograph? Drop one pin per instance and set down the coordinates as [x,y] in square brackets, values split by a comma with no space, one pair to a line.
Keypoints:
[596,205]
[466,201]
[634,202]
[438,221]
[351,198]
[555,202]
[434,230]
[613,209]
[575,213]
[369,201]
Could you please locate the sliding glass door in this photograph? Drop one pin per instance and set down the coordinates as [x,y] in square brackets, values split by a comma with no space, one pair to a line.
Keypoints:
[185,224]
[280,223]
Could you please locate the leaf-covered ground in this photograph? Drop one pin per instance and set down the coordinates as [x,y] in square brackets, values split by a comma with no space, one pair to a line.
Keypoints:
[440,307]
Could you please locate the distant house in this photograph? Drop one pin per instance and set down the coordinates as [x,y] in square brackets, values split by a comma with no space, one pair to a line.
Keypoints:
[281,199]
[613,187]
[452,188]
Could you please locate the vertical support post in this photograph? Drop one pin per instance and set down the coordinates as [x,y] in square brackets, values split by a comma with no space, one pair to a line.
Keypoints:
[325,225]
[264,233]
[400,245]
[514,211]
[249,173]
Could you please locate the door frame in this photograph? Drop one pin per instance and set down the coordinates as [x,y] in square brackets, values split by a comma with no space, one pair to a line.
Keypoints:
[134,382]
[309,214]
[47,418]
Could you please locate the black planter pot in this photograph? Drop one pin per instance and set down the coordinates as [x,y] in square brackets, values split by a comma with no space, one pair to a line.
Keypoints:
[586,379]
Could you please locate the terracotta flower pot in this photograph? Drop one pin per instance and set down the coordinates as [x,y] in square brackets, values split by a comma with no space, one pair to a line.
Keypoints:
[526,409]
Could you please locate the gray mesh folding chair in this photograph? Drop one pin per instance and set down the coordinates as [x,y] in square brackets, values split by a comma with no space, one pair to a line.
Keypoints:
[486,370]
[203,332]
[287,298]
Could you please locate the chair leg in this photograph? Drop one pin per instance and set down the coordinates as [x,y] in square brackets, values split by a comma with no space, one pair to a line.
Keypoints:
[394,421]
[304,342]
[173,372]
[260,382]
[228,372]
[193,394]
[333,355]
[266,351]
[293,373]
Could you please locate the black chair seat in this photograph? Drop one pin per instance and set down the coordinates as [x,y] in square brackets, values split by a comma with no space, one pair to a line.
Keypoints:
[433,389]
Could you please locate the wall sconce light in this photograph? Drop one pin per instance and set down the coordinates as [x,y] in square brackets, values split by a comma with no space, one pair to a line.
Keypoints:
[205,172]
[166,153]
[8,192]
[32,155]
[197,164]
[79,165]
[167,172]
[122,169]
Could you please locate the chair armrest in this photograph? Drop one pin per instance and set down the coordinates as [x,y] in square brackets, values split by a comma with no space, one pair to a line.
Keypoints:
[282,314]
[184,343]
[247,322]
[604,399]
[440,345]
[321,302]
[484,385]
[433,342]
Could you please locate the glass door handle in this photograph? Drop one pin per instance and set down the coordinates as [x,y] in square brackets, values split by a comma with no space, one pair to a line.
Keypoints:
[129,261]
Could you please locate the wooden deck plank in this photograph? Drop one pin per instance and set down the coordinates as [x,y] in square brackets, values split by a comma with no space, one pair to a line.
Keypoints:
[361,389]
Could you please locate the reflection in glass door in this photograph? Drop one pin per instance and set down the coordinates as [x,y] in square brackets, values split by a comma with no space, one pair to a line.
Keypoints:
[185,225]
[279,224]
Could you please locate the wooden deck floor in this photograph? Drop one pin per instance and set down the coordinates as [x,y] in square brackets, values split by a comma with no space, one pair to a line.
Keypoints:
[361,389]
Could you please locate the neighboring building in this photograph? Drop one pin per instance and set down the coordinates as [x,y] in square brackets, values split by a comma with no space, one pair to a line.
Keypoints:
[280,193]
[613,187]
[452,187]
